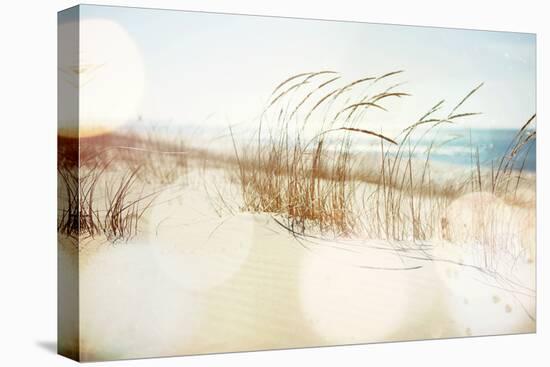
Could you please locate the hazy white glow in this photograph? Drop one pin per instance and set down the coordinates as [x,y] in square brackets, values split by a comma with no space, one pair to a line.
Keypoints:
[212,250]
[349,304]
[479,305]
[111,76]
[129,309]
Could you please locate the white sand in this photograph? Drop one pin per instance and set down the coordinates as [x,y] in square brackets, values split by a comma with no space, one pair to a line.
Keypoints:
[194,282]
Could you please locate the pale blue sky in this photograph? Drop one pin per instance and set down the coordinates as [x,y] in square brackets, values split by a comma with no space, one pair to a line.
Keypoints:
[221,68]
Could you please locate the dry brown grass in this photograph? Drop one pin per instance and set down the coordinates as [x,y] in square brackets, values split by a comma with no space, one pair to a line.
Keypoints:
[409,204]
[162,159]
[83,214]
[292,171]
[301,167]
[102,181]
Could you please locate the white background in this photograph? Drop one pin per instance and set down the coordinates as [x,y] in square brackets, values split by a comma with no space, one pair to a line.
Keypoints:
[28,182]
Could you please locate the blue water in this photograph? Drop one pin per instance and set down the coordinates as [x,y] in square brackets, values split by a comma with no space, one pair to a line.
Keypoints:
[457,146]
[491,144]
[460,146]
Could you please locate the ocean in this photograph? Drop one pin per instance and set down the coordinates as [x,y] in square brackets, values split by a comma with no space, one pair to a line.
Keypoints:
[455,145]
[460,146]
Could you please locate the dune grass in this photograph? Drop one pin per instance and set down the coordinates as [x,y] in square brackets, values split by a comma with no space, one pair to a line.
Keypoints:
[94,204]
[407,204]
[117,177]
[288,172]
[302,165]
[305,166]
[162,158]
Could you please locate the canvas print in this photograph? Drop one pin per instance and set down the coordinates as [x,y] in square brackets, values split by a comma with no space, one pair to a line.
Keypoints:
[235,183]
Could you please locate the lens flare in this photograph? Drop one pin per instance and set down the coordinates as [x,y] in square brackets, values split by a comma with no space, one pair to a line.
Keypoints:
[108,78]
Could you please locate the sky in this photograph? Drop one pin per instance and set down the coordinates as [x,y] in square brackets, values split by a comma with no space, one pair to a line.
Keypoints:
[219,69]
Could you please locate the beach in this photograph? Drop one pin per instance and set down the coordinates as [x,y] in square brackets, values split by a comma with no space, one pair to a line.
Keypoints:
[197,279]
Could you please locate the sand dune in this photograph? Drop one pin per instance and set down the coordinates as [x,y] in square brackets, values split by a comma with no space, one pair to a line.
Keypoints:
[197,281]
